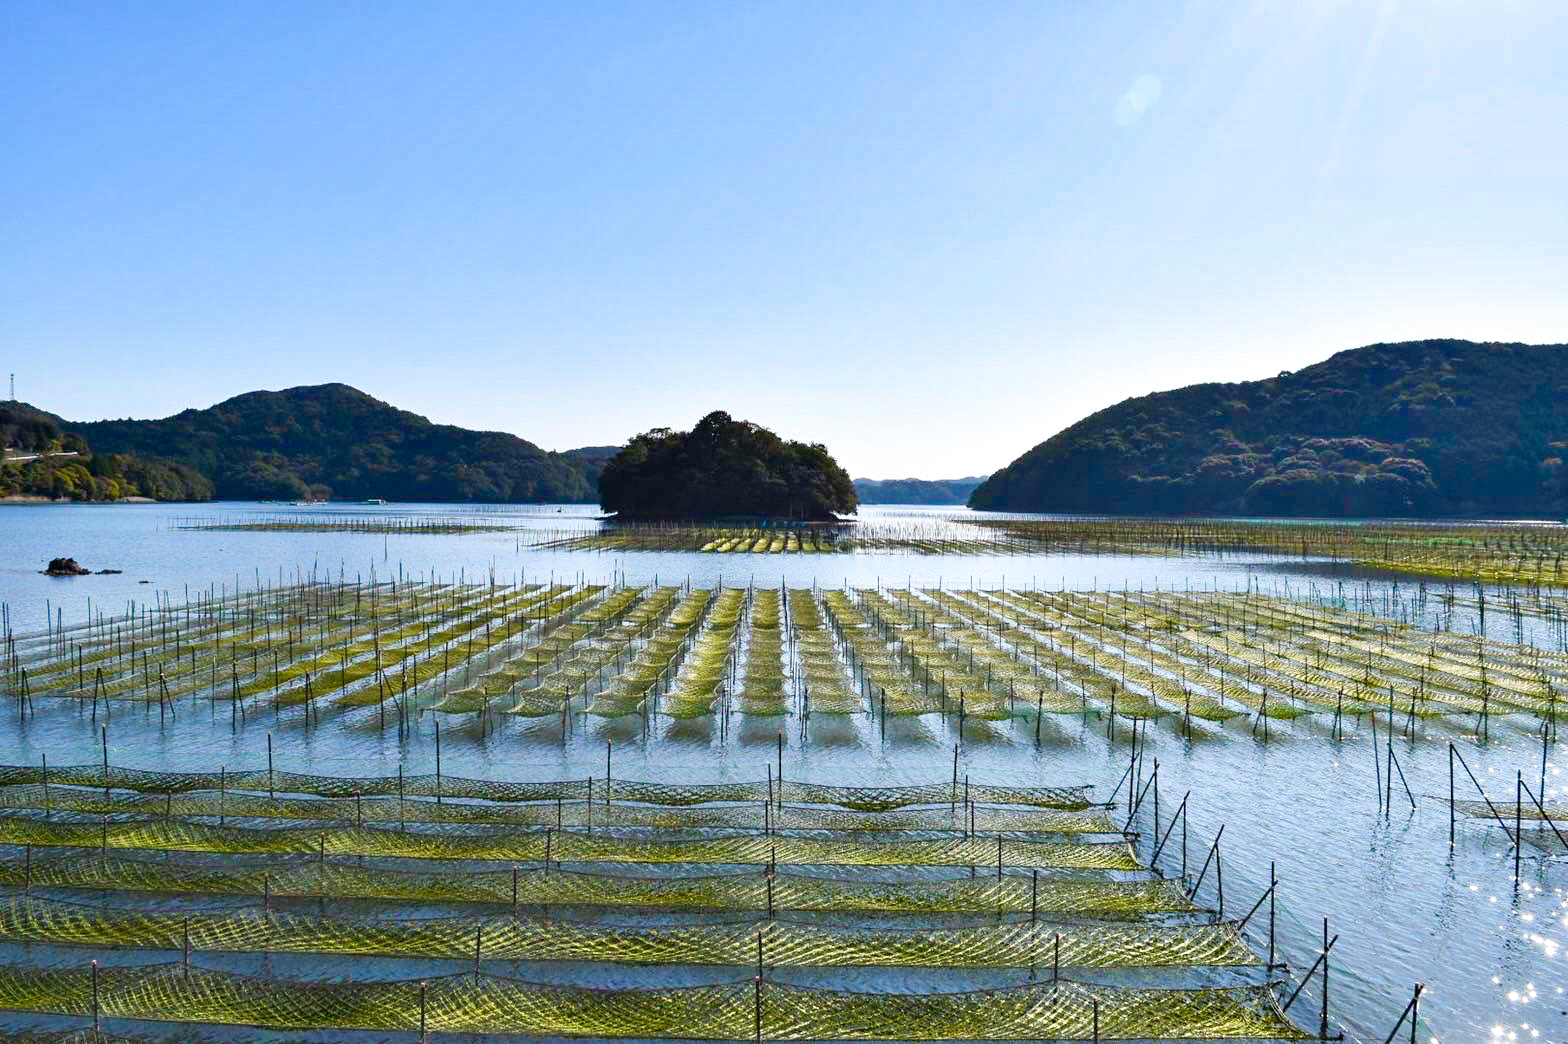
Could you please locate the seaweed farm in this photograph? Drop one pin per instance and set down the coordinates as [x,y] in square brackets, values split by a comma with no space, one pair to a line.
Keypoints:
[1063,886]
[298,522]
[1524,555]
[1129,791]
[1042,917]
[1509,553]
[880,536]
[707,539]
[562,654]
[1520,554]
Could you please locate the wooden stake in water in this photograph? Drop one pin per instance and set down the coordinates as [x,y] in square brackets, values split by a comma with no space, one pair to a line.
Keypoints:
[103,736]
[1388,776]
[1327,944]
[1377,764]
[1518,815]
[1451,813]
[1273,891]
[1545,736]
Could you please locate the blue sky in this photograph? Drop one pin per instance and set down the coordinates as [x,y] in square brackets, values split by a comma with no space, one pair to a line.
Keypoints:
[929,235]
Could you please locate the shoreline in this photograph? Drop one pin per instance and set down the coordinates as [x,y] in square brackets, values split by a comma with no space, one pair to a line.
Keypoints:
[38,498]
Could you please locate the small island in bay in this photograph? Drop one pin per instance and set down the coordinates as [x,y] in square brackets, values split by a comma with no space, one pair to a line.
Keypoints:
[724,468]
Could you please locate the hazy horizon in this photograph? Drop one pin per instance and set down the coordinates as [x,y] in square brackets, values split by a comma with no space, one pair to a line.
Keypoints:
[927,236]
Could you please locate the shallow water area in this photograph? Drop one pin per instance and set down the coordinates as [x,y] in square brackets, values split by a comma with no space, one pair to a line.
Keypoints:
[1407,907]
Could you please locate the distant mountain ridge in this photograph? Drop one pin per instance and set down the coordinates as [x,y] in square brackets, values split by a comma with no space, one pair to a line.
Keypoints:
[1419,428]
[592,460]
[334,440]
[916,491]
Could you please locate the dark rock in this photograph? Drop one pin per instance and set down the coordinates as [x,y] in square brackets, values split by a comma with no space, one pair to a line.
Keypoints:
[110,572]
[65,567]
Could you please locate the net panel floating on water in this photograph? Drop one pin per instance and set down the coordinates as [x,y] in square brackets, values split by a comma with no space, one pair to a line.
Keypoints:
[532,938]
[566,846]
[577,812]
[873,799]
[727,1011]
[681,888]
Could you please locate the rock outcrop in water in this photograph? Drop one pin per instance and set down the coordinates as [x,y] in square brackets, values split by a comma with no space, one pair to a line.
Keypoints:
[65,567]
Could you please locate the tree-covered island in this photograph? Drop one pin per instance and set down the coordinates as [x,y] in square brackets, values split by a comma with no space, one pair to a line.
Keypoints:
[724,468]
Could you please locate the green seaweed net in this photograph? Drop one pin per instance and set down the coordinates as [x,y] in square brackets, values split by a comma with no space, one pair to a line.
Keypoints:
[625,874]
[567,846]
[543,887]
[867,799]
[727,1011]
[780,943]
[754,815]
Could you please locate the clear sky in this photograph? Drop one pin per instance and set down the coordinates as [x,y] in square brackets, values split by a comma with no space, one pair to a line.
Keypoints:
[929,235]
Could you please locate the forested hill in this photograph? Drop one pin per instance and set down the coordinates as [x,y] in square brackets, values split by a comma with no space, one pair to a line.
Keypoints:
[915,491]
[1422,428]
[592,460]
[333,440]
[42,459]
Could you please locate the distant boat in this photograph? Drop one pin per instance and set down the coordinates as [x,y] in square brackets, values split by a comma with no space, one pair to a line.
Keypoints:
[376,500]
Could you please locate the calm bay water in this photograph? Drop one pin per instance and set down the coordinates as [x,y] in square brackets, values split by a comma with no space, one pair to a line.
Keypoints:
[1407,907]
